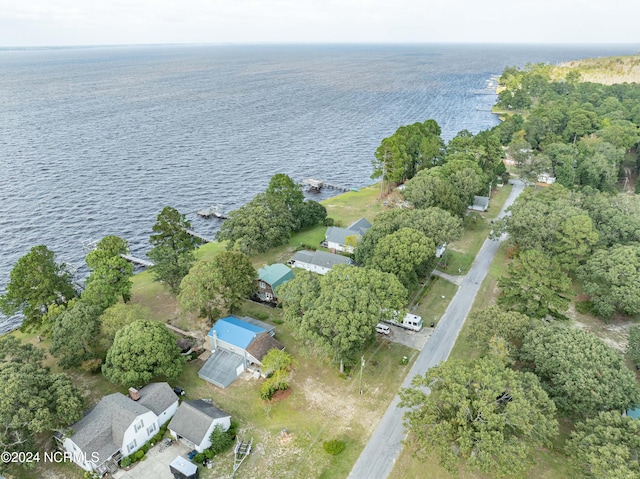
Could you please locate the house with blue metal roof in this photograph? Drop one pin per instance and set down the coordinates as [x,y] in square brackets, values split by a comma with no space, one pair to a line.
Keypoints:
[269,278]
[236,345]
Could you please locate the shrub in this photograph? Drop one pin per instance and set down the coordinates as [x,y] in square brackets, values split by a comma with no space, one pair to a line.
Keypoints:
[138,455]
[208,453]
[585,307]
[329,221]
[125,461]
[199,458]
[233,429]
[334,447]
[277,382]
[220,440]
[92,366]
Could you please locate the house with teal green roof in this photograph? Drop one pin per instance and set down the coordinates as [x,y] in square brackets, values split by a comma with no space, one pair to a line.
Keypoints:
[269,278]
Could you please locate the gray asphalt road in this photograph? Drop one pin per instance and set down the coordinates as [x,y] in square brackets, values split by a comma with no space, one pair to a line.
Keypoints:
[384,446]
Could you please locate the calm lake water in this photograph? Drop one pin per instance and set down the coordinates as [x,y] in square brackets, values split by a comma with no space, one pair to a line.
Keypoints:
[96,141]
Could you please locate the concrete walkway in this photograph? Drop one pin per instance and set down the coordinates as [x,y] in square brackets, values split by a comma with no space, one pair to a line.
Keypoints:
[449,277]
[384,446]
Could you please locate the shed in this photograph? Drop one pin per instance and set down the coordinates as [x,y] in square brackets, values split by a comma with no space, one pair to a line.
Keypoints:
[182,468]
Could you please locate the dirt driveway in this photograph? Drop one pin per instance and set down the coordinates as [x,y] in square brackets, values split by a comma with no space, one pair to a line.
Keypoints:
[155,464]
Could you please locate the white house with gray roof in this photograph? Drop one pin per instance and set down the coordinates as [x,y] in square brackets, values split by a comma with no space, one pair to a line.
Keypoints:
[118,426]
[345,239]
[319,262]
[194,422]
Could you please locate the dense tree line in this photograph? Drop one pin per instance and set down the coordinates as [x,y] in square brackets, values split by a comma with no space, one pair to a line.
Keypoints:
[579,229]
[270,218]
[578,131]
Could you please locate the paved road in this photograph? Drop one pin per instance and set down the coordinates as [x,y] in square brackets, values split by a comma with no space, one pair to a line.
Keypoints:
[384,446]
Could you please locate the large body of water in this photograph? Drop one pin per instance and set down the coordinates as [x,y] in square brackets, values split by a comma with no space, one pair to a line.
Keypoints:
[96,141]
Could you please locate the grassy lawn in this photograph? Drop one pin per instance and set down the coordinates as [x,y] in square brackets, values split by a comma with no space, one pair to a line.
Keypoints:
[435,300]
[353,205]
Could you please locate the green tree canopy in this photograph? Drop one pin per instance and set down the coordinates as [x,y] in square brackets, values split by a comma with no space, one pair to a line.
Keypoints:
[616,217]
[141,351]
[277,359]
[606,446]
[579,371]
[74,333]
[110,273]
[257,226]
[550,220]
[173,247]
[437,225]
[450,186]
[283,189]
[535,285]
[220,284]
[170,231]
[32,399]
[36,282]
[339,315]
[612,278]
[493,322]
[633,347]
[117,317]
[403,254]
[410,149]
[490,416]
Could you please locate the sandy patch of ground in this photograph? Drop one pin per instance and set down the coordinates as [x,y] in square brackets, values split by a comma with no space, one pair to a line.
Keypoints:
[614,333]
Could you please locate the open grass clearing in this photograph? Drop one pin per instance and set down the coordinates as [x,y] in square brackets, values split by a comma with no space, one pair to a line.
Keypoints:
[435,300]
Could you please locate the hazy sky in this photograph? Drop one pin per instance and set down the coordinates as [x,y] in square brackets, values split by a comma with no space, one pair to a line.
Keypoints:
[87,22]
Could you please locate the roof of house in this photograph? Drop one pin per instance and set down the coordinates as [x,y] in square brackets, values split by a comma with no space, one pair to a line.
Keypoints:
[320,258]
[275,274]
[157,397]
[262,345]
[221,367]
[236,331]
[361,226]
[193,419]
[340,235]
[102,428]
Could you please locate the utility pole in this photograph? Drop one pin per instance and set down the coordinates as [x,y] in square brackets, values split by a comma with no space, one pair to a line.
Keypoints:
[361,368]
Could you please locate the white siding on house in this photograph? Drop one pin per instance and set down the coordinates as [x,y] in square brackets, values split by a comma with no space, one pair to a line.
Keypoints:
[77,454]
[167,414]
[140,436]
[225,422]
[311,267]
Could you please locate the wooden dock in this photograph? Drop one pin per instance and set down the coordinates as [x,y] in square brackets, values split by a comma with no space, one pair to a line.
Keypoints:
[316,185]
[204,239]
[137,261]
[215,210]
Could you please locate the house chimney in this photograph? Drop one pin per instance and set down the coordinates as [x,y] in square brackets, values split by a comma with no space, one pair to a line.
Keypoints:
[134,394]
